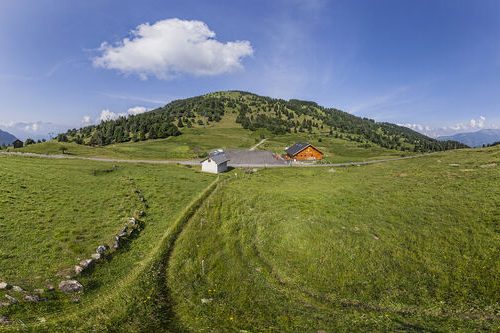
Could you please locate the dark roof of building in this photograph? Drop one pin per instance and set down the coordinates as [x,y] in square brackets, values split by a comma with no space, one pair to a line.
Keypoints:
[217,156]
[298,147]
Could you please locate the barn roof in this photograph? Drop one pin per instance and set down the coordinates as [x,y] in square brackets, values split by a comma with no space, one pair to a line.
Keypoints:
[298,147]
[217,156]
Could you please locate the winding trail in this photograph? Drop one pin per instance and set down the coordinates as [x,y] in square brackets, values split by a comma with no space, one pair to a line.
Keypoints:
[197,162]
[258,144]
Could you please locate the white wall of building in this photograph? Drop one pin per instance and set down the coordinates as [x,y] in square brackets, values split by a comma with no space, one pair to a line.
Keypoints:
[210,166]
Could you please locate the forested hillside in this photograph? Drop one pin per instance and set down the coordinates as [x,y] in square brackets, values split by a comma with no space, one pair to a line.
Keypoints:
[254,112]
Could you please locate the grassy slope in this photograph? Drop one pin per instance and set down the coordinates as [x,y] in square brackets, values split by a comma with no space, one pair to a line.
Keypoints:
[411,245]
[335,150]
[223,135]
[63,212]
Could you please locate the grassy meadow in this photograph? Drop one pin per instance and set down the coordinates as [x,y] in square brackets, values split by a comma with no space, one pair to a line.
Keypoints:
[195,142]
[56,212]
[411,245]
[335,150]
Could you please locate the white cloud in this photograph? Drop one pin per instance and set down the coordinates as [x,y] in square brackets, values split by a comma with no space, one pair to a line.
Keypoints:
[35,130]
[171,47]
[86,120]
[109,115]
[137,110]
[469,126]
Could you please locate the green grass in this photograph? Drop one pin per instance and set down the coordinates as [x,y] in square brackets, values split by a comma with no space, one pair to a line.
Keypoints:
[335,150]
[189,145]
[57,211]
[410,245]
[195,142]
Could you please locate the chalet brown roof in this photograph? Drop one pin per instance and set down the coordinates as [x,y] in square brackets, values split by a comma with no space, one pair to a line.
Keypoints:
[298,147]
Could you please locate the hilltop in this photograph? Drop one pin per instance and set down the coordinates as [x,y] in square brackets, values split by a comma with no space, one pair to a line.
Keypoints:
[254,112]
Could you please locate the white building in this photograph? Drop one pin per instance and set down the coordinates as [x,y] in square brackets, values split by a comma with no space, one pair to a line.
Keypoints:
[216,162]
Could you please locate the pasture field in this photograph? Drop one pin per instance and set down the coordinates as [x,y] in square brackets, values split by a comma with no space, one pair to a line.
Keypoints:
[194,142]
[56,212]
[411,245]
[335,150]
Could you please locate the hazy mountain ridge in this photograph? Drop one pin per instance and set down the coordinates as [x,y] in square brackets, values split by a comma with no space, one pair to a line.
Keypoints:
[475,139]
[6,138]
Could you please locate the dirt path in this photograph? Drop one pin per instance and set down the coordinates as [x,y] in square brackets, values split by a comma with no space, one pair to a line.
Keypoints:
[258,144]
[197,162]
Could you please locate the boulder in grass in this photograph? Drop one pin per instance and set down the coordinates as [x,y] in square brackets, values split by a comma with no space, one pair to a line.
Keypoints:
[4,304]
[96,256]
[101,249]
[12,300]
[116,245]
[70,286]
[78,269]
[123,233]
[34,298]
[4,320]
[86,263]
[39,291]
[17,289]
[4,286]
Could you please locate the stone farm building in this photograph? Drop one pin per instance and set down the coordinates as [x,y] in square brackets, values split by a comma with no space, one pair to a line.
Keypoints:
[216,162]
[303,151]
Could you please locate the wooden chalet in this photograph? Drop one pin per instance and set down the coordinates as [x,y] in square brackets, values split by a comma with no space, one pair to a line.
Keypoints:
[303,151]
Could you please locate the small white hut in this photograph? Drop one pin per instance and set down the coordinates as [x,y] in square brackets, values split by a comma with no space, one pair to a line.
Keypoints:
[216,162]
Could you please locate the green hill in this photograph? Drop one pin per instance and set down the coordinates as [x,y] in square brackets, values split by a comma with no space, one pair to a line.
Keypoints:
[253,112]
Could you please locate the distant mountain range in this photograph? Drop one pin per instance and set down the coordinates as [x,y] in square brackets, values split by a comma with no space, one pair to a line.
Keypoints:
[475,139]
[6,138]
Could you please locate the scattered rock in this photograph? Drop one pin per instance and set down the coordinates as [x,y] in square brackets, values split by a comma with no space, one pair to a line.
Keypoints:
[454,165]
[17,289]
[4,286]
[11,299]
[75,300]
[50,287]
[375,237]
[123,233]
[206,300]
[39,291]
[141,213]
[96,256]
[70,286]
[34,298]
[86,263]
[116,245]
[101,249]
[4,320]
[78,270]
[4,304]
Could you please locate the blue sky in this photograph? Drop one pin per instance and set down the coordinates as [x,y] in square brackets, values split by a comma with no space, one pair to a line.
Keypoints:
[433,65]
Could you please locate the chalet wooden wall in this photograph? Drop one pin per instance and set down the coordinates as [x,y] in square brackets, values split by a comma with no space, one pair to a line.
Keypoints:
[309,154]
